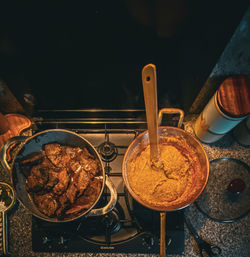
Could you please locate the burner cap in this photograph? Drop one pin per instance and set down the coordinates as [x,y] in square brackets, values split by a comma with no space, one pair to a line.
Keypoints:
[97,227]
[227,193]
[108,151]
[111,222]
[100,226]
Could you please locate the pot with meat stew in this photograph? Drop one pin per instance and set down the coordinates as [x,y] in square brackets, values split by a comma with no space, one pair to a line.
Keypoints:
[58,176]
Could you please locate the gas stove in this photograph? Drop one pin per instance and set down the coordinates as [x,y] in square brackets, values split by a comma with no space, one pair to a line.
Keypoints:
[129,227]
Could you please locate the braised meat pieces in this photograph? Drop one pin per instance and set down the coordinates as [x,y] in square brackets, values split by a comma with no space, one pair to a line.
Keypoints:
[62,180]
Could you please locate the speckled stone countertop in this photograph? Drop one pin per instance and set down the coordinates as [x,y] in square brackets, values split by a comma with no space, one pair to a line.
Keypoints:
[232,238]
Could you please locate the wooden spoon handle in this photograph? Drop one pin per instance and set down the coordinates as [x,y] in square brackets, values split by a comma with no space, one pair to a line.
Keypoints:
[150,98]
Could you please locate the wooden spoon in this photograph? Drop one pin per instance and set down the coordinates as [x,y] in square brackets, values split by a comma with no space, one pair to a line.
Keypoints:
[150,98]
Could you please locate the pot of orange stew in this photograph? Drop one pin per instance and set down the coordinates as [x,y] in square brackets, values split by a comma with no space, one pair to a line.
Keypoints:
[183,174]
[58,175]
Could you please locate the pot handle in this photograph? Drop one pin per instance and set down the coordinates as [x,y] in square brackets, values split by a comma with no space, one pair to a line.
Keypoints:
[111,204]
[171,111]
[163,234]
[6,146]
[163,214]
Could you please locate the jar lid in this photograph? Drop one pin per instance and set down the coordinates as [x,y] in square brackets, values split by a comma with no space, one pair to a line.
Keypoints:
[227,193]
[233,96]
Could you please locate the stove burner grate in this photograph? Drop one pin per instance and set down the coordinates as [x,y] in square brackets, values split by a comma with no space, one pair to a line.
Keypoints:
[128,228]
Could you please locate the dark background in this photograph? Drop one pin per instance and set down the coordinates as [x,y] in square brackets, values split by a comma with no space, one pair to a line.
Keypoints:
[74,54]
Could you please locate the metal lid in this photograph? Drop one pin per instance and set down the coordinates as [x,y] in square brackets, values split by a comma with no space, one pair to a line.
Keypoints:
[227,193]
[233,96]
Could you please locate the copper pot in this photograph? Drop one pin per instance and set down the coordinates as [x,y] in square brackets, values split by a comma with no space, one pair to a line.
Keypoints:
[142,141]
[34,144]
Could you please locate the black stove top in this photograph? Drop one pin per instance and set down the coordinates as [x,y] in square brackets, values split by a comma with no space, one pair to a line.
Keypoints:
[129,227]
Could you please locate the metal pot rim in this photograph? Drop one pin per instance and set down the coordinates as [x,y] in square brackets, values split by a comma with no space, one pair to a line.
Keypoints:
[138,140]
[88,145]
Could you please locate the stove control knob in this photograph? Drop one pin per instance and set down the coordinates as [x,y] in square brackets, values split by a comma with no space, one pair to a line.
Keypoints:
[168,241]
[46,240]
[149,241]
[62,240]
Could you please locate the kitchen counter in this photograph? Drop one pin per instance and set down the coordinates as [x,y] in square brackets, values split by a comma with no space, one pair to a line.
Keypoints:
[232,238]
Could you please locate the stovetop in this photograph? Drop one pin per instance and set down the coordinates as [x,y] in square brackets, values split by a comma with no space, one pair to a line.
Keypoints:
[129,227]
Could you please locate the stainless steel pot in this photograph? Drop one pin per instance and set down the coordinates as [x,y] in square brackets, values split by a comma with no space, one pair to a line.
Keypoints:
[35,143]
